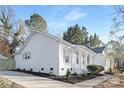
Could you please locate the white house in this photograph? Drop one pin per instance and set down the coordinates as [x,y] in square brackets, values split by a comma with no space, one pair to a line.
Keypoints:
[45,53]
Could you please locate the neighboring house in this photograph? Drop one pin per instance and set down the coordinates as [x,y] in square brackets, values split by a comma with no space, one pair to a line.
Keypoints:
[45,53]
[102,58]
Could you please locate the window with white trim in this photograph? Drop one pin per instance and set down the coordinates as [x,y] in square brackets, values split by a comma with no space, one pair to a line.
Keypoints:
[77,58]
[66,54]
[26,55]
[88,59]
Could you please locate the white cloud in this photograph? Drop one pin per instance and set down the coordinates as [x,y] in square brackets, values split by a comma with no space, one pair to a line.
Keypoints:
[56,24]
[56,27]
[75,15]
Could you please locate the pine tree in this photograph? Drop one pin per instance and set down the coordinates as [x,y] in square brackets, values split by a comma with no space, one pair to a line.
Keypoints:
[36,23]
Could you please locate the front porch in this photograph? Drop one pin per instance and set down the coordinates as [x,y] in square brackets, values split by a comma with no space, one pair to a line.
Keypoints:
[80,60]
[76,59]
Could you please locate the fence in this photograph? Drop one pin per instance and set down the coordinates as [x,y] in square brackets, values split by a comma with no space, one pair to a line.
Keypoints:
[7,64]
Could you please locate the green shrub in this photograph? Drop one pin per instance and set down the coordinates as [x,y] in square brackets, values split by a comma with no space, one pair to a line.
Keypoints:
[18,69]
[79,75]
[68,74]
[95,69]
[84,75]
[24,69]
[75,73]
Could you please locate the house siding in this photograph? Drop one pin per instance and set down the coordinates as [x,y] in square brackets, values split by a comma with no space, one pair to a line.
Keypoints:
[44,54]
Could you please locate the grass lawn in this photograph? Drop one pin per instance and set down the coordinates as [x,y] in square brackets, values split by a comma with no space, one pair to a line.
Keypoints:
[4,83]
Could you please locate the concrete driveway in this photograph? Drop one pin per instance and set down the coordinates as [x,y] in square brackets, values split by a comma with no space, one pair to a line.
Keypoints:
[31,81]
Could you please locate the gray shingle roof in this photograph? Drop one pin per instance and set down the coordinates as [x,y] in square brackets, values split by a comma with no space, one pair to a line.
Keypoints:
[99,49]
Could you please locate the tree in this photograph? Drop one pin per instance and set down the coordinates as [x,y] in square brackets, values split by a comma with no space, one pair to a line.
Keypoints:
[75,35]
[4,48]
[109,55]
[94,41]
[18,37]
[116,49]
[118,23]
[6,27]
[6,21]
[118,34]
[85,35]
[79,36]
[36,23]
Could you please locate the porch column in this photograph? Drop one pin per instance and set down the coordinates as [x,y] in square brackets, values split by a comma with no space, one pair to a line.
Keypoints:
[80,61]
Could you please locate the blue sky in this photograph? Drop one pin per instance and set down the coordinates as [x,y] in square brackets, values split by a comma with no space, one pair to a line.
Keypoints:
[97,19]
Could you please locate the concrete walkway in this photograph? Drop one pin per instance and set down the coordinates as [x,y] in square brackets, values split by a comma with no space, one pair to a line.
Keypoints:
[93,82]
[31,81]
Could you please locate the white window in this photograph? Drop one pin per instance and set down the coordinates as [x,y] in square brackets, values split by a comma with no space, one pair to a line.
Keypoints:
[66,55]
[27,55]
[88,59]
[77,58]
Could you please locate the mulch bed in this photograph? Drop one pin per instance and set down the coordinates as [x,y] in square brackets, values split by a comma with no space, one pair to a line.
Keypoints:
[73,79]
